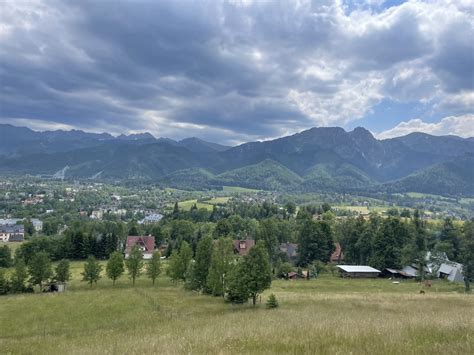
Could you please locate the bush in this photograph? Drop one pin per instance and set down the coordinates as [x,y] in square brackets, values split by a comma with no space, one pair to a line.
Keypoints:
[272,302]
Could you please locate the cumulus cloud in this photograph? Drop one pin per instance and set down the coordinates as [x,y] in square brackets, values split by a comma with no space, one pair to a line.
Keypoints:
[462,126]
[229,70]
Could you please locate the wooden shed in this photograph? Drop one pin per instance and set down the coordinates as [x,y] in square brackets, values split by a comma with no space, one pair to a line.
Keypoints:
[358,271]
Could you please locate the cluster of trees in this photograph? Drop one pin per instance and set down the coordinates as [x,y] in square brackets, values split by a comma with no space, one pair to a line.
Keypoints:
[116,266]
[39,271]
[216,271]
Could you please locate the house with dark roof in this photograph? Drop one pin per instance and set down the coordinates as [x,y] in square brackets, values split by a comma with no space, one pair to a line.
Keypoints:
[242,247]
[146,244]
[290,250]
[12,232]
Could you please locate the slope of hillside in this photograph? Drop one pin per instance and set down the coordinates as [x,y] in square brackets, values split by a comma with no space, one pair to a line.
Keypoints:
[455,177]
[266,175]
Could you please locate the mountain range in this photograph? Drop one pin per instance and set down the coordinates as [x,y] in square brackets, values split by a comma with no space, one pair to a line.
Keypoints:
[318,159]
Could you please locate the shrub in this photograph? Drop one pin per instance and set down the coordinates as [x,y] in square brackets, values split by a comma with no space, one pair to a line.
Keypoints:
[272,302]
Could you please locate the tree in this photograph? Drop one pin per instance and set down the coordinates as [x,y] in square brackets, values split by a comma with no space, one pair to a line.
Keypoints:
[19,276]
[4,284]
[221,265]
[5,256]
[62,271]
[153,267]
[202,264]
[316,242]
[416,249]
[134,263]
[272,302]
[115,268]
[92,270]
[449,240]
[251,277]
[40,269]
[467,253]
[179,262]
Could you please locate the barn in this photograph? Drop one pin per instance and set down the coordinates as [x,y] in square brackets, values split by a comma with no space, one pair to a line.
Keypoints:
[357,271]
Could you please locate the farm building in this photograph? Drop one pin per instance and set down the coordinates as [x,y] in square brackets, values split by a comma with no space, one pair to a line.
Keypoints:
[357,271]
[295,276]
[451,271]
[242,247]
[397,274]
[146,244]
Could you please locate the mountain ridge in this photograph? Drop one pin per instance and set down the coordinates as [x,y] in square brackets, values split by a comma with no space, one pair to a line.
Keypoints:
[324,158]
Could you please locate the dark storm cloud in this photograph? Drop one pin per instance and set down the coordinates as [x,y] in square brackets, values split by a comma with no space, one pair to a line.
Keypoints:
[227,71]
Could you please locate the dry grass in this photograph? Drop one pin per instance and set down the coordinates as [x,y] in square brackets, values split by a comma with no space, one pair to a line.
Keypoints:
[329,315]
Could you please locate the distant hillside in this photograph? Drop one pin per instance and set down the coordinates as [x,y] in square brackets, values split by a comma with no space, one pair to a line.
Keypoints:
[318,159]
[267,174]
[455,177]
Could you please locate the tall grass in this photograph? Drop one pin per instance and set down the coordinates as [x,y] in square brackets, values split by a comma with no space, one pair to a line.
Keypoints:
[329,315]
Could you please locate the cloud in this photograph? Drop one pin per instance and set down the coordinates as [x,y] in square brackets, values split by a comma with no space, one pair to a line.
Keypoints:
[462,126]
[229,70]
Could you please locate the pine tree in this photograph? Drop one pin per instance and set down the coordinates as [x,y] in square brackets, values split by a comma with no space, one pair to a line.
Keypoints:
[115,268]
[39,269]
[19,276]
[92,270]
[62,271]
[134,263]
[153,267]
[272,302]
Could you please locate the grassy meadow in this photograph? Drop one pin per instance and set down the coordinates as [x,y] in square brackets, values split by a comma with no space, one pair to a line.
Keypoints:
[325,316]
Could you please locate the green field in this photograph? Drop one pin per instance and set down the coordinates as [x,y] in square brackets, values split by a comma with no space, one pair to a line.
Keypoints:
[186,205]
[326,316]
[237,189]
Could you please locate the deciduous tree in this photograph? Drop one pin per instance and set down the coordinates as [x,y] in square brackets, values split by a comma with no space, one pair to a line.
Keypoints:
[134,263]
[115,268]
[92,270]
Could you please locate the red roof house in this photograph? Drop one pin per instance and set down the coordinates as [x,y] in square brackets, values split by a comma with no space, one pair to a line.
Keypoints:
[146,244]
[337,255]
[242,247]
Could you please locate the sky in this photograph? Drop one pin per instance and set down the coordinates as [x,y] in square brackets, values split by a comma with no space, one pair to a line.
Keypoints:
[238,70]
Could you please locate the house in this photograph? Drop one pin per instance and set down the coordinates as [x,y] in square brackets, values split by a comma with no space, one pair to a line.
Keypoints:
[37,224]
[337,255]
[12,233]
[242,247]
[290,250]
[146,244]
[357,271]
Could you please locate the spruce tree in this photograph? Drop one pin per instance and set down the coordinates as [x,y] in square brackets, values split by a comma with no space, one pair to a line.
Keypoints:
[272,302]
[92,270]
[5,256]
[115,267]
[134,263]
